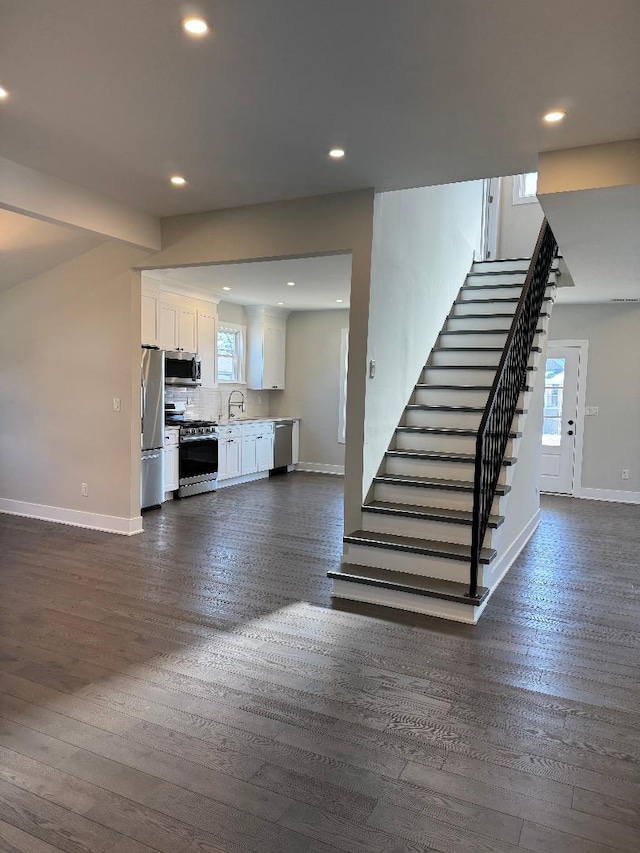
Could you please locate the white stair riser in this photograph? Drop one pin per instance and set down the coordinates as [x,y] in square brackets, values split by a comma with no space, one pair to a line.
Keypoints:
[461,358]
[456,420]
[471,323]
[475,340]
[445,443]
[460,375]
[439,469]
[509,277]
[402,601]
[436,498]
[456,323]
[462,308]
[433,531]
[414,564]
[452,397]
[521,264]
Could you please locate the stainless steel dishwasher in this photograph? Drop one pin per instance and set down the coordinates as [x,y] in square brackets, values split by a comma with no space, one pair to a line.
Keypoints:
[283,448]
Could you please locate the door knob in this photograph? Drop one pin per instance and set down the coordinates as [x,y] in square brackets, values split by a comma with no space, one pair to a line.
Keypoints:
[570,432]
[570,423]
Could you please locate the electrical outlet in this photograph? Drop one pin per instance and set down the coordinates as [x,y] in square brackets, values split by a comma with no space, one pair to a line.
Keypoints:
[84,490]
[116,404]
[625,473]
[372,369]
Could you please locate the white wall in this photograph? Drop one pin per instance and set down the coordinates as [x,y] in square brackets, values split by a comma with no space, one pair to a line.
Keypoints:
[312,384]
[423,246]
[519,224]
[69,344]
[612,437]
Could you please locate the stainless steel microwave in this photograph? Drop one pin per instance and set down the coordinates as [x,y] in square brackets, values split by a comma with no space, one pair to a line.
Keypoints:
[182,368]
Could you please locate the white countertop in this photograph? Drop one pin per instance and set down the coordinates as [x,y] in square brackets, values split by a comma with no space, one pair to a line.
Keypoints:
[247,420]
[258,419]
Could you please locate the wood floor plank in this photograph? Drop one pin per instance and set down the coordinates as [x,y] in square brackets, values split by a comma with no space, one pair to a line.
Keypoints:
[193,688]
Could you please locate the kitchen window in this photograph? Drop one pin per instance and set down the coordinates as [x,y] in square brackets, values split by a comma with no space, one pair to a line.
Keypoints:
[525,188]
[231,352]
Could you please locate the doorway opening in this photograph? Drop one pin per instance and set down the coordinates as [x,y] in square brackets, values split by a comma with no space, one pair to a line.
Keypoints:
[563,417]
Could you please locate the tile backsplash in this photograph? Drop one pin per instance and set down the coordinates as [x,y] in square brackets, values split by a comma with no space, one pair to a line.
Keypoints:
[212,404]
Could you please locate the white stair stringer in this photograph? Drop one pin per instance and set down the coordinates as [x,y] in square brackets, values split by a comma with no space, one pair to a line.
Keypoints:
[413,551]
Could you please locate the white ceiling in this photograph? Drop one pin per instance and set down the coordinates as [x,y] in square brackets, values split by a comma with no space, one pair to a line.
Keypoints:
[110,95]
[318,282]
[29,247]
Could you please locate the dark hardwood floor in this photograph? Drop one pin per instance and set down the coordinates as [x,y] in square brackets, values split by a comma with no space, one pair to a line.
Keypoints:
[192,689]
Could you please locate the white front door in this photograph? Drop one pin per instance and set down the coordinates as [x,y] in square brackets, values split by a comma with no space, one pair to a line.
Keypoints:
[562,371]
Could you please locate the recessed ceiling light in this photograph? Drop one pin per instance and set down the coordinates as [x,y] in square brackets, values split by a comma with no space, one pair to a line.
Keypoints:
[291,284]
[178,180]
[280,303]
[3,93]
[226,288]
[339,300]
[554,116]
[337,153]
[195,26]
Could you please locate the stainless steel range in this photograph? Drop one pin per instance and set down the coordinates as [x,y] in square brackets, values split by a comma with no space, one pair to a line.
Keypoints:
[198,453]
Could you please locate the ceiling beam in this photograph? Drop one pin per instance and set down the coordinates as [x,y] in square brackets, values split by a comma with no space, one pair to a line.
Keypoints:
[35,194]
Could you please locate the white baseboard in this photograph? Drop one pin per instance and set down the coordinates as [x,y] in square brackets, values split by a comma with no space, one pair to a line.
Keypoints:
[320,468]
[506,560]
[73,517]
[615,495]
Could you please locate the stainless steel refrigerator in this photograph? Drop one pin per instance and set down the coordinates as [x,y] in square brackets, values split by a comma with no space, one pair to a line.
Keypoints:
[152,428]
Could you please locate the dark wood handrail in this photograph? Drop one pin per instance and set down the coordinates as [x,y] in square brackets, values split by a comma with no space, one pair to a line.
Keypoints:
[510,379]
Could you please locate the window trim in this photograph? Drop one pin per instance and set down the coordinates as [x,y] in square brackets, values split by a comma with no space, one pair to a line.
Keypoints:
[519,196]
[242,355]
[344,370]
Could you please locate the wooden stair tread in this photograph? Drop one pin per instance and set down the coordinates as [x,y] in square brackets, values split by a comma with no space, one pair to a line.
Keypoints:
[425,386]
[407,583]
[447,431]
[493,367]
[413,545]
[433,483]
[426,513]
[484,316]
[438,408]
[443,456]
[500,300]
[481,331]
[477,349]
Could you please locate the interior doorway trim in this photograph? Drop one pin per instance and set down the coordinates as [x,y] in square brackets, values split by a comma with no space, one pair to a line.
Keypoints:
[583,346]
[490,219]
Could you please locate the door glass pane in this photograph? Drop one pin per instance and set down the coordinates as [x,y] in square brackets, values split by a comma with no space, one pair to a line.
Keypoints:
[553,397]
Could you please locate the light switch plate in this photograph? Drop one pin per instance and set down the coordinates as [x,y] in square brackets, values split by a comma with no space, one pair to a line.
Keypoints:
[591,410]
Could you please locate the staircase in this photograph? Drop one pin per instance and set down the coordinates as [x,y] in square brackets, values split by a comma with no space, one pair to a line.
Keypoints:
[414,551]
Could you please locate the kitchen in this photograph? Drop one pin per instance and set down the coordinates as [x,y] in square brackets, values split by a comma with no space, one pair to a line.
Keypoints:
[227,394]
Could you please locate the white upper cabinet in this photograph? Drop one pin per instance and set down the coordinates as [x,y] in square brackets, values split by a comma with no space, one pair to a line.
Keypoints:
[266,345]
[207,346]
[187,332]
[168,338]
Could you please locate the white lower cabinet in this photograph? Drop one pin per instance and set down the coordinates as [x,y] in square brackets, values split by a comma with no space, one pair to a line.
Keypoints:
[229,458]
[264,451]
[249,457]
[171,460]
[245,449]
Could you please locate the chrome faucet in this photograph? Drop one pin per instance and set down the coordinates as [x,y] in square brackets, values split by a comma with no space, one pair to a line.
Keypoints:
[239,405]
